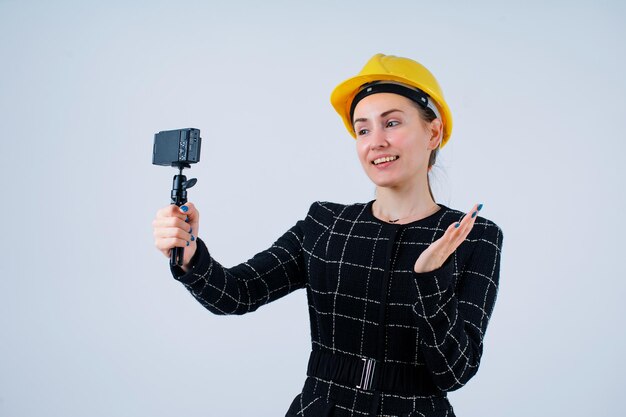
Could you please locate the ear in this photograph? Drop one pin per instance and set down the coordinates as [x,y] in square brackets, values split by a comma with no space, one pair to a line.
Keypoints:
[436,130]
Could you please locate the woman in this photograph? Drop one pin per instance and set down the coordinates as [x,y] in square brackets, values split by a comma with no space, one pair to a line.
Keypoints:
[400,289]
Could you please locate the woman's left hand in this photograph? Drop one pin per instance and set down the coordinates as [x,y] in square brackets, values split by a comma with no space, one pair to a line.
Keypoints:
[435,255]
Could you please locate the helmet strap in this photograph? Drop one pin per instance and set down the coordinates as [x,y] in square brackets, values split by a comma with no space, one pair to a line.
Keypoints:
[414,94]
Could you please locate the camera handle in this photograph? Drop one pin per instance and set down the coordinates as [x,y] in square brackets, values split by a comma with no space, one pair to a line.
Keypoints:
[179,197]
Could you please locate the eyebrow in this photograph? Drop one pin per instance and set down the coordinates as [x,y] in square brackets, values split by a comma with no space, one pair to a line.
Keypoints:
[363,119]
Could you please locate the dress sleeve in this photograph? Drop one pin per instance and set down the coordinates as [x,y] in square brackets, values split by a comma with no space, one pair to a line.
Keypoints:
[267,276]
[453,318]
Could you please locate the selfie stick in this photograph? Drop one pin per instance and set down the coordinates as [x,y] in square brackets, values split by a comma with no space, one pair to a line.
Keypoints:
[179,197]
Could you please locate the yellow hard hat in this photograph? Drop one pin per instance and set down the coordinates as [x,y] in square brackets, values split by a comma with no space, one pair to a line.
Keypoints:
[391,68]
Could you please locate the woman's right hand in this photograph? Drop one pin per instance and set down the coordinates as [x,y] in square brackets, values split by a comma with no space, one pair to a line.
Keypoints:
[174,227]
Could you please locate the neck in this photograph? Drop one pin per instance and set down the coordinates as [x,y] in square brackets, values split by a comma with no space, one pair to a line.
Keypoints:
[398,203]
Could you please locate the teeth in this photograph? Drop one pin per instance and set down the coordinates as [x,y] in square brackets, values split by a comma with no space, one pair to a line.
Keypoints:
[387,159]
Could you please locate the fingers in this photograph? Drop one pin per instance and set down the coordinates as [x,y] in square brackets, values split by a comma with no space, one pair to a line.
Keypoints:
[171,211]
[174,216]
[170,222]
[190,212]
[175,227]
[459,230]
[442,248]
[165,245]
[187,212]
[469,217]
[173,232]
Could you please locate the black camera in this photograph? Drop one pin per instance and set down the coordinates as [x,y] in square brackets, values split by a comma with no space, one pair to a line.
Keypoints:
[179,147]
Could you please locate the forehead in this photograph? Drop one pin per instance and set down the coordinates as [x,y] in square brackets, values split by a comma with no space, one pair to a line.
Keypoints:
[380,103]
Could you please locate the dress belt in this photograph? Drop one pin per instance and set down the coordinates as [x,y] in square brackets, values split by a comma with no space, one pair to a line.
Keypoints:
[369,374]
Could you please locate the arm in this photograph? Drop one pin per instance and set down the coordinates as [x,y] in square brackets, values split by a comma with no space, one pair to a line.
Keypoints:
[269,275]
[454,318]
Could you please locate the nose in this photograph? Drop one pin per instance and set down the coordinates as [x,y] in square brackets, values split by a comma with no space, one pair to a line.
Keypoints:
[379,140]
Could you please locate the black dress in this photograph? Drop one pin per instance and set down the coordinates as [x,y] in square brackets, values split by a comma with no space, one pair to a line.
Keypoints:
[422,332]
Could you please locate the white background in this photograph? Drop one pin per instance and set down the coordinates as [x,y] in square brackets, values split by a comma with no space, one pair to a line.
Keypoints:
[92,323]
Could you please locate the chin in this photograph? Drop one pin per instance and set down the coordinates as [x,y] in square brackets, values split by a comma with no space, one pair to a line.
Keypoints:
[388,182]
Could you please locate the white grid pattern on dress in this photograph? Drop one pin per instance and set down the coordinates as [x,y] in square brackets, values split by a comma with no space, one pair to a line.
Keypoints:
[434,321]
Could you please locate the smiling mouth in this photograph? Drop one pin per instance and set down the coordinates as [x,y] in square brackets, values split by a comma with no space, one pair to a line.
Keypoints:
[381,161]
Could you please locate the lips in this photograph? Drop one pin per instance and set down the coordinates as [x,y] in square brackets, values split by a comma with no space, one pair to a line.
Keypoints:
[384,159]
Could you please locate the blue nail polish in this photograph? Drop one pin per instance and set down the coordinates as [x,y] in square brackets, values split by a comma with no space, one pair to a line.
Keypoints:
[190,229]
[474,214]
[457,225]
[480,206]
[187,219]
[192,238]
[187,243]
[184,208]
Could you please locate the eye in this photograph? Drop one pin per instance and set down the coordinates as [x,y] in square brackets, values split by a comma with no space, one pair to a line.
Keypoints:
[361,132]
[392,123]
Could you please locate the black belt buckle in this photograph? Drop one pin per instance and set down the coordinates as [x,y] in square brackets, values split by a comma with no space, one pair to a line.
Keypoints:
[367,375]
